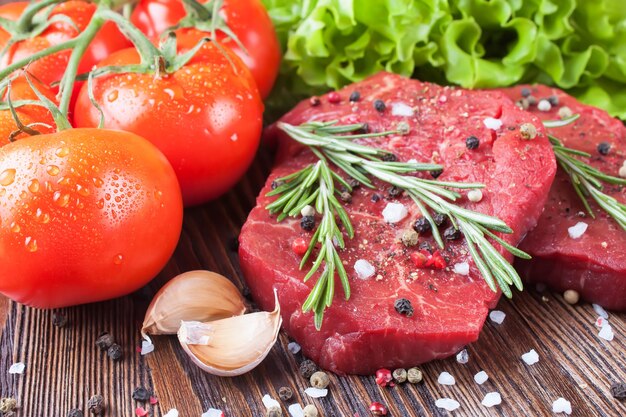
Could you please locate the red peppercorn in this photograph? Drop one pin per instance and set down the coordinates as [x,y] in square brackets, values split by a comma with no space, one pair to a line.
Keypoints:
[141,412]
[383,377]
[299,246]
[334,97]
[437,261]
[378,409]
[420,259]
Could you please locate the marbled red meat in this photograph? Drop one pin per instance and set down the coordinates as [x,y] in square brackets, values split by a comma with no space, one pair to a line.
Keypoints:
[365,333]
[594,264]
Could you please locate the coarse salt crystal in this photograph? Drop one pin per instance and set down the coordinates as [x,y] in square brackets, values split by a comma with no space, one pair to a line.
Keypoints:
[601,322]
[412,161]
[493,124]
[447,404]
[17,368]
[491,399]
[394,212]
[296,410]
[462,356]
[606,332]
[401,109]
[146,346]
[446,379]
[481,377]
[561,405]
[293,348]
[172,413]
[531,357]
[461,268]
[316,392]
[544,105]
[600,311]
[213,412]
[269,401]
[364,269]
[577,230]
[497,316]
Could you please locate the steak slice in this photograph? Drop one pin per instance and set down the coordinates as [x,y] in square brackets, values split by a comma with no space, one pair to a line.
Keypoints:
[365,333]
[594,264]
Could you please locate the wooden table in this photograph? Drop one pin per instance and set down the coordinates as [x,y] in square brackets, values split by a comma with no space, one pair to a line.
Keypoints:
[64,367]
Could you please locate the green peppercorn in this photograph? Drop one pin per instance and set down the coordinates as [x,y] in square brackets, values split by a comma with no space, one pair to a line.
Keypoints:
[7,405]
[274,411]
[414,375]
[310,411]
[285,393]
[400,375]
[320,380]
[307,368]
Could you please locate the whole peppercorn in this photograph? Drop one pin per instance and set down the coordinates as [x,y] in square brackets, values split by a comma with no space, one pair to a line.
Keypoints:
[425,246]
[307,223]
[532,100]
[394,191]
[554,100]
[59,320]
[378,409]
[389,157]
[414,375]
[334,97]
[375,198]
[525,92]
[383,377]
[618,390]
[604,148]
[346,197]
[276,184]
[439,218]
[285,393]
[409,237]
[7,405]
[421,225]
[571,296]
[472,142]
[399,375]
[528,131]
[274,411]
[105,341]
[310,411]
[565,112]
[435,174]
[451,233]
[355,96]
[95,405]
[379,105]
[307,368]
[403,128]
[403,306]
[523,104]
[115,352]
[141,394]
[365,128]
[354,183]
[319,380]
[314,101]
[75,412]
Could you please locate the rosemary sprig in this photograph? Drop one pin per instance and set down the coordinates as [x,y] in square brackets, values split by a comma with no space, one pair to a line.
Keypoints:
[315,184]
[587,180]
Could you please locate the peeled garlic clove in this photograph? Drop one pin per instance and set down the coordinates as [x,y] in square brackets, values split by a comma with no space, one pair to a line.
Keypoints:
[195,295]
[232,346]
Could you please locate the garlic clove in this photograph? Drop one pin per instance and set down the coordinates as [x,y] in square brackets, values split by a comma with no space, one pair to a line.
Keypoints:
[195,295]
[232,346]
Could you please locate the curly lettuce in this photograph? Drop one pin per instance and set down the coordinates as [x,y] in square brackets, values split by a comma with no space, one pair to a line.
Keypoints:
[577,45]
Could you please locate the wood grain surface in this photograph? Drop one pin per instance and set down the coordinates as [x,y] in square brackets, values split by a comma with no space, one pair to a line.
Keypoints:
[64,367]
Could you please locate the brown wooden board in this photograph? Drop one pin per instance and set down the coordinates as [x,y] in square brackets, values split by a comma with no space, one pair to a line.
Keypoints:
[64,367]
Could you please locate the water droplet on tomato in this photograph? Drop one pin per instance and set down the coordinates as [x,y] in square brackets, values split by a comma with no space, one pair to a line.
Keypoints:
[80,189]
[118,199]
[62,200]
[62,152]
[112,96]
[64,181]
[118,259]
[158,194]
[53,170]
[41,216]
[33,186]
[31,244]
[98,182]
[100,203]
[7,177]
[107,196]
[15,228]
[3,192]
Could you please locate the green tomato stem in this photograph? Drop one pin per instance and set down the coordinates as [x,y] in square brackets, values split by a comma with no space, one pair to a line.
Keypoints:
[37,55]
[25,22]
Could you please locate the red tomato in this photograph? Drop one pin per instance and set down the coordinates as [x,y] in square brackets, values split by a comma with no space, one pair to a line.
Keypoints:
[248,19]
[206,118]
[21,90]
[85,215]
[52,67]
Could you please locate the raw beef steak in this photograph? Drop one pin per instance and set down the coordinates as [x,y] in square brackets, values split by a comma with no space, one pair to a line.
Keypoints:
[595,263]
[365,333]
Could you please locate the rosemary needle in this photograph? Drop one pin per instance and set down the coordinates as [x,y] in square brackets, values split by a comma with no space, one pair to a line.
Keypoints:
[315,185]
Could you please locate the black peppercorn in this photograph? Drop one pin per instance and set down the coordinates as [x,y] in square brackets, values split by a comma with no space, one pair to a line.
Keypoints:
[141,394]
[355,96]
[104,341]
[75,412]
[59,320]
[436,174]
[375,198]
[618,390]
[115,352]
[525,92]
[472,142]
[439,218]
[451,233]
[604,148]
[425,246]
[307,368]
[389,157]
[315,101]
[379,105]
[394,191]
[276,184]
[421,225]
[365,128]
[354,183]
[307,223]
[403,306]
[285,393]
[553,100]
[96,404]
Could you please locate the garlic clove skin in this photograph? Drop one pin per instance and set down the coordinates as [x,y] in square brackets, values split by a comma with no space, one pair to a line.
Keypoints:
[196,295]
[231,346]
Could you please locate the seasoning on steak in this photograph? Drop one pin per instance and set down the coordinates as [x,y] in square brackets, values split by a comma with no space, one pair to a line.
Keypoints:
[595,263]
[366,332]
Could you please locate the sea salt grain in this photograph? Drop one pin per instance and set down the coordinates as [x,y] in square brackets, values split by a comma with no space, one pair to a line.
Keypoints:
[561,405]
[531,357]
[293,348]
[577,230]
[447,404]
[492,399]
[462,356]
[600,311]
[146,346]
[497,316]
[316,392]
[481,377]
[172,413]
[296,410]
[601,322]
[17,368]
[493,124]
[401,109]
[364,269]
[446,379]
[461,268]
[606,332]
[213,412]
[394,212]
[269,401]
